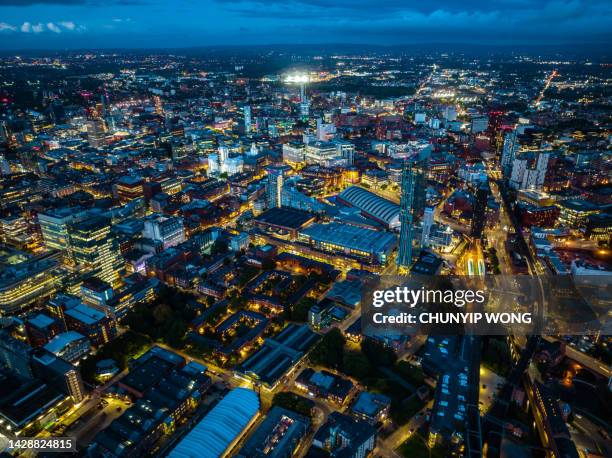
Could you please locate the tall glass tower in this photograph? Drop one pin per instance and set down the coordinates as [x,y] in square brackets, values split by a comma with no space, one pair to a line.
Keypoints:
[412,206]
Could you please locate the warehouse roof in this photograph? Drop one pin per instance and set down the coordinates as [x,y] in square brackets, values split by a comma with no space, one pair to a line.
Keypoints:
[212,436]
[371,205]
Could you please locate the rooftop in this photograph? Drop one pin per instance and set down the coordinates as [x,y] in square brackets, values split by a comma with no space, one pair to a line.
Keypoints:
[285,217]
[277,436]
[212,436]
[85,314]
[60,341]
[372,205]
[351,237]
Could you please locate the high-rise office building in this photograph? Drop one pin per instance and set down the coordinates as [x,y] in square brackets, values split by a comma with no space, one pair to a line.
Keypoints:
[223,155]
[428,221]
[346,150]
[246,110]
[15,231]
[213,164]
[27,279]
[95,249]
[276,179]
[511,147]
[294,152]
[412,206]
[325,131]
[479,209]
[529,171]
[96,132]
[54,226]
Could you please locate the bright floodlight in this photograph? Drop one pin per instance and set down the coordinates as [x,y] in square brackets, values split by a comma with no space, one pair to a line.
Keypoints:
[301,79]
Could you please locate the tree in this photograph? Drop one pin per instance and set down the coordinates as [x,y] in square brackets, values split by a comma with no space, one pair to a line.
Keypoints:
[293,402]
[299,311]
[377,353]
[357,365]
[496,355]
[329,352]
[162,313]
[412,374]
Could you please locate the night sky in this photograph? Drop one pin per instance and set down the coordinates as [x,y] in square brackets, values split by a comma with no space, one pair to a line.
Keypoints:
[58,24]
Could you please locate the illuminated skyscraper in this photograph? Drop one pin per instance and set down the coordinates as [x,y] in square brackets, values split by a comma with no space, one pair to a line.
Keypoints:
[223,154]
[55,224]
[480,208]
[96,250]
[428,221]
[412,205]
[276,180]
[246,110]
[511,147]
[96,132]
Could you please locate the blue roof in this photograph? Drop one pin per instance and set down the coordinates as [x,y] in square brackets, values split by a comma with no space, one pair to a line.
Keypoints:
[370,403]
[212,436]
[59,342]
[41,321]
[85,314]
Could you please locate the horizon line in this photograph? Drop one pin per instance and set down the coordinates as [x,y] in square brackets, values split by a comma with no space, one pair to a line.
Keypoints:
[325,44]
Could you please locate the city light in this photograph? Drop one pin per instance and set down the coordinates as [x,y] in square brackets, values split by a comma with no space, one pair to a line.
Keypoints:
[297,78]
[371,251]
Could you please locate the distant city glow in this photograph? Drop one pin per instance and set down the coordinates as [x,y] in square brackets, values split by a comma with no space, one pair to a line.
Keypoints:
[297,79]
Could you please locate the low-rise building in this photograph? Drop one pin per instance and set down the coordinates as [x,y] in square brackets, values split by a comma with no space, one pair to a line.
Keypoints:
[325,385]
[343,436]
[371,407]
[278,436]
[219,431]
[277,355]
[71,346]
[369,246]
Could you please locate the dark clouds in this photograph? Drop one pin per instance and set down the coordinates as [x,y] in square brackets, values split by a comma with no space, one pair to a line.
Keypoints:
[176,23]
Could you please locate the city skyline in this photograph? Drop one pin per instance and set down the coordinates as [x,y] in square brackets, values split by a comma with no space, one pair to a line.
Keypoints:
[305,251]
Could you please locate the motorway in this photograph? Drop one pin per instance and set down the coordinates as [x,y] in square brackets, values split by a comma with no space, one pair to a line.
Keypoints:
[547,82]
[496,235]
